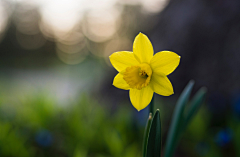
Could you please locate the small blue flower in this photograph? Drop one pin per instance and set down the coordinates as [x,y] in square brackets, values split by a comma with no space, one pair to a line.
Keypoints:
[224,137]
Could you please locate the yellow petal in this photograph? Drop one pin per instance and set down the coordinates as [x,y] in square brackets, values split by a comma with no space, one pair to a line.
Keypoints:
[164,62]
[119,82]
[123,59]
[142,48]
[141,98]
[161,85]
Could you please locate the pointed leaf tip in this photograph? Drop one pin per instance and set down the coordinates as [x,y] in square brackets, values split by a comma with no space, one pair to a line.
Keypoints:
[177,119]
[150,116]
[146,133]
[154,138]
[195,104]
[191,82]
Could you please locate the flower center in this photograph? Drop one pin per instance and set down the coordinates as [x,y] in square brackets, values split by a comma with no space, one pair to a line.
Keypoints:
[138,76]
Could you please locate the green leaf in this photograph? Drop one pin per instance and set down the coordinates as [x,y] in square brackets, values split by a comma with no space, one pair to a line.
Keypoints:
[146,133]
[177,120]
[196,102]
[154,139]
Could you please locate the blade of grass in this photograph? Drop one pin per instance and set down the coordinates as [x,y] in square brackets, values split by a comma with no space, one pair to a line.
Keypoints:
[154,142]
[177,119]
[195,104]
[146,133]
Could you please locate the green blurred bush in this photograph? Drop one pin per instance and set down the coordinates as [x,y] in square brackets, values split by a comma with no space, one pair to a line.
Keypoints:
[37,126]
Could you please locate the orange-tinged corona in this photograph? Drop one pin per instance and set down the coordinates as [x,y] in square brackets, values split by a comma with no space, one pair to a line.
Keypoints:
[138,76]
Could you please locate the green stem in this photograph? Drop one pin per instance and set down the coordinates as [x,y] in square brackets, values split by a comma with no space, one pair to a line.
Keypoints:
[151,107]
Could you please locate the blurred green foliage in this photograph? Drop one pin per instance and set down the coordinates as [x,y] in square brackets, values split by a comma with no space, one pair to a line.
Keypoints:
[37,126]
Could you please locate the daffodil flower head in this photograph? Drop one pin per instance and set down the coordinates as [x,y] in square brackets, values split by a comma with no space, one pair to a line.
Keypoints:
[143,73]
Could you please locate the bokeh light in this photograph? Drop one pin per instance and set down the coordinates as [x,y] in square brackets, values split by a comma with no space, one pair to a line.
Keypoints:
[4,16]
[154,6]
[101,25]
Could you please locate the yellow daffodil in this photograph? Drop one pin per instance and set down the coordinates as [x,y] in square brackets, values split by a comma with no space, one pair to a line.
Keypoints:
[142,73]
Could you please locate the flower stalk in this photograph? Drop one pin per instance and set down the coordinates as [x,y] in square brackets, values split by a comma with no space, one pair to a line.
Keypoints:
[151,106]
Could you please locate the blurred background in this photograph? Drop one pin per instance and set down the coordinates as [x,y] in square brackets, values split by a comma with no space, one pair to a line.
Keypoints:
[56,93]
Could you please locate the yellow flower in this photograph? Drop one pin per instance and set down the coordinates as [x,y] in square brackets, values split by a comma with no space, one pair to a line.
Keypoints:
[142,73]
